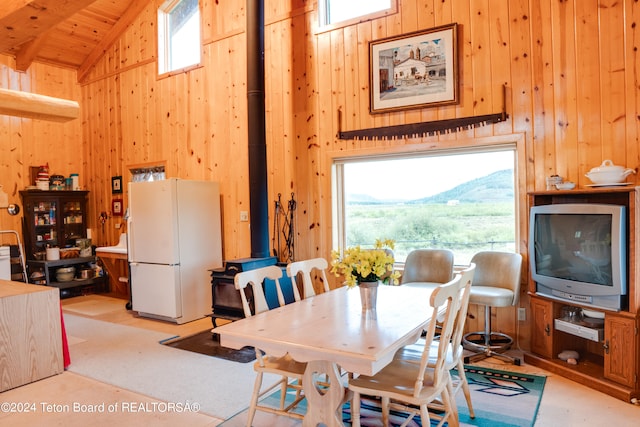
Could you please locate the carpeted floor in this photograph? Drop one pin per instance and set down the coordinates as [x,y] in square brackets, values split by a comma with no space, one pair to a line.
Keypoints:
[133,359]
[500,399]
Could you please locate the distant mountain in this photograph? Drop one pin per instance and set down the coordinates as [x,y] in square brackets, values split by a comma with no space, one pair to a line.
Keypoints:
[365,199]
[496,187]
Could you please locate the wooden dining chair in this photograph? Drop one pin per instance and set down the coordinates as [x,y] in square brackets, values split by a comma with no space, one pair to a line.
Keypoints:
[305,268]
[409,386]
[289,370]
[454,358]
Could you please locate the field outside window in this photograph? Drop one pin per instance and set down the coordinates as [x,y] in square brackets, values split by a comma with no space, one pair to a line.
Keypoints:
[460,201]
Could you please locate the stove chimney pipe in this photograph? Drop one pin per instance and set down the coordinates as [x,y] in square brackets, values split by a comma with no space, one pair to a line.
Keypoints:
[258,195]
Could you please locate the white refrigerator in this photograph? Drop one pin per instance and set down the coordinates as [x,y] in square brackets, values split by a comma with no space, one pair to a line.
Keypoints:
[174,238]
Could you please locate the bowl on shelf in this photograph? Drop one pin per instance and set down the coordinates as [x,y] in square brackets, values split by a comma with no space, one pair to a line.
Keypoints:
[568,185]
[65,274]
[608,173]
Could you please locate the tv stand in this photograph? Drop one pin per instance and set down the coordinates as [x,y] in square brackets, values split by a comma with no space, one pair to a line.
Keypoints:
[609,354]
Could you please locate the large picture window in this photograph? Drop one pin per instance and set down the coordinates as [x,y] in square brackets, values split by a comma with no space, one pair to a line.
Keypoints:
[460,200]
[178,35]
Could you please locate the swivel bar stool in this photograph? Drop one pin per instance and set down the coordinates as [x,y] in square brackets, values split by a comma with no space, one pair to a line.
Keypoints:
[496,283]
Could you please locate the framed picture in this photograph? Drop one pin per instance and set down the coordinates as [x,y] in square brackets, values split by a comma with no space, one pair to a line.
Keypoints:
[414,70]
[116,207]
[116,184]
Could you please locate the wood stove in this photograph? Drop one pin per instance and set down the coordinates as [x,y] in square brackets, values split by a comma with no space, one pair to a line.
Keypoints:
[226,301]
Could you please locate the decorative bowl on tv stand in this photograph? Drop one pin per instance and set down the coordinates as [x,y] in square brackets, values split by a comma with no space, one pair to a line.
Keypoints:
[608,173]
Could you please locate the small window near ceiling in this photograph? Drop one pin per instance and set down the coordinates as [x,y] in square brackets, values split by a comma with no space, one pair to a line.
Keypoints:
[337,11]
[178,35]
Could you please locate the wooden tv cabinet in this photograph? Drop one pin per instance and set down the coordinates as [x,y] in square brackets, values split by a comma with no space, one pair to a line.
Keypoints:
[609,357]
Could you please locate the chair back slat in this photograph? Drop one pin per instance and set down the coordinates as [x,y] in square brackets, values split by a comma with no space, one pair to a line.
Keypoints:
[445,300]
[305,268]
[255,278]
[466,279]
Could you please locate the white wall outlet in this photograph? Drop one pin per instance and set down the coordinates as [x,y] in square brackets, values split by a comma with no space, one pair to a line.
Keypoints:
[244,216]
[522,314]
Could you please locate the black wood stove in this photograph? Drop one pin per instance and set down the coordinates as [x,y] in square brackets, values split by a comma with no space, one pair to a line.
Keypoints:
[226,301]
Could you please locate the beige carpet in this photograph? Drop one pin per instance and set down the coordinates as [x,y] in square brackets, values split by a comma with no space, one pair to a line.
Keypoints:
[133,359]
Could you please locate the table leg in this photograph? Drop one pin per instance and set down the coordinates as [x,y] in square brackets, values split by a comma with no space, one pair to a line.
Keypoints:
[325,394]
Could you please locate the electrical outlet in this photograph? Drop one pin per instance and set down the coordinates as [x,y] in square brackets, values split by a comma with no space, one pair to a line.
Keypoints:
[522,314]
[244,216]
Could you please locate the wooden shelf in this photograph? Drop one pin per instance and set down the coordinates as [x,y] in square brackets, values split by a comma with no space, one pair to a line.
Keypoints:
[588,372]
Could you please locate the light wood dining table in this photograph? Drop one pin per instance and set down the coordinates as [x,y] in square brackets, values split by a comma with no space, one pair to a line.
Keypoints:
[330,331]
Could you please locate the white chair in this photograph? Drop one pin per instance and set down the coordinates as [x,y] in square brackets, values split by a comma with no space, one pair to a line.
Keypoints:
[455,355]
[496,284]
[305,268]
[290,371]
[405,384]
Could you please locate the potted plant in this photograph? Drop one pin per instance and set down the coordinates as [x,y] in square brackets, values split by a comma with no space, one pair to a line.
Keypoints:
[366,268]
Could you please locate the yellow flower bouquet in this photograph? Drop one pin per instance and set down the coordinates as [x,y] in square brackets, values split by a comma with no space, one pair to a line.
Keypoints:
[366,265]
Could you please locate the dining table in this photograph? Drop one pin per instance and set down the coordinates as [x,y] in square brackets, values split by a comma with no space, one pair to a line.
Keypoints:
[332,333]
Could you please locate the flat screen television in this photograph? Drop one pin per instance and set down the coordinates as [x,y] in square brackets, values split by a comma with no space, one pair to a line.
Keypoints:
[578,253]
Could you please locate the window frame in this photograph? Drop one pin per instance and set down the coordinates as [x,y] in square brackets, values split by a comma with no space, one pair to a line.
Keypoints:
[324,27]
[165,10]
[338,159]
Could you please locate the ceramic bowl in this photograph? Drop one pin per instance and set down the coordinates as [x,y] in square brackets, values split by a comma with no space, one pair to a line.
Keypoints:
[566,185]
[65,274]
[608,173]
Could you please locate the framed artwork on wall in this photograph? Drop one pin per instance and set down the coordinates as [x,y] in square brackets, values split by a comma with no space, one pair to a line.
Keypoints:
[116,207]
[414,70]
[116,184]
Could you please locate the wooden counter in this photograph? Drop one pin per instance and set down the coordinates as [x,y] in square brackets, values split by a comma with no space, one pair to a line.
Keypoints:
[117,268]
[30,333]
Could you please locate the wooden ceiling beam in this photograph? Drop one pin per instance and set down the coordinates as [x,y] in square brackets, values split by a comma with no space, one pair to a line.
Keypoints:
[133,11]
[21,21]
[29,51]
[33,106]
[10,6]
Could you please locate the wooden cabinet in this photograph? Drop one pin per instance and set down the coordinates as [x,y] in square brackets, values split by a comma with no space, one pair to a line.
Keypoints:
[542,325]
[53,218]
[621,349]
[609,355]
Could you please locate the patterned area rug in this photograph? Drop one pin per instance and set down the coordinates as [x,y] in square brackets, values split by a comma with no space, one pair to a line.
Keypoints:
[500,399]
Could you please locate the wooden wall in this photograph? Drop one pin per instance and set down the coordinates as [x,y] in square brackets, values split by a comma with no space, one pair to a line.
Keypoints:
[26,142]
[572,96]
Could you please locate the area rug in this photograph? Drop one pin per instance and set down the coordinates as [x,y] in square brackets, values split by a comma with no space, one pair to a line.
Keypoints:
[207,343]
[95,307]
[133,359]
[499,398]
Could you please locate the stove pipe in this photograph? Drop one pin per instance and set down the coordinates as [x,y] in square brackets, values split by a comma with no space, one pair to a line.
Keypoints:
[258,196]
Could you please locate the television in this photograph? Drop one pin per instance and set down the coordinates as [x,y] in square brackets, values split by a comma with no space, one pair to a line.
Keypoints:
[578,253]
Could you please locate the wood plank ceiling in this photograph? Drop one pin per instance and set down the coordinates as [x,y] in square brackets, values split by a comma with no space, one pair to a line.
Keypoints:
[66,33]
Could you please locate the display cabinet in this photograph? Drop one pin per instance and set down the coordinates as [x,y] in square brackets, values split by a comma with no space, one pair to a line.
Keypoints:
[53,219]
[609,358]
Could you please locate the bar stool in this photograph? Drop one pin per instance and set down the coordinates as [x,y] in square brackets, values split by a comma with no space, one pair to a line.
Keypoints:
[496,283]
